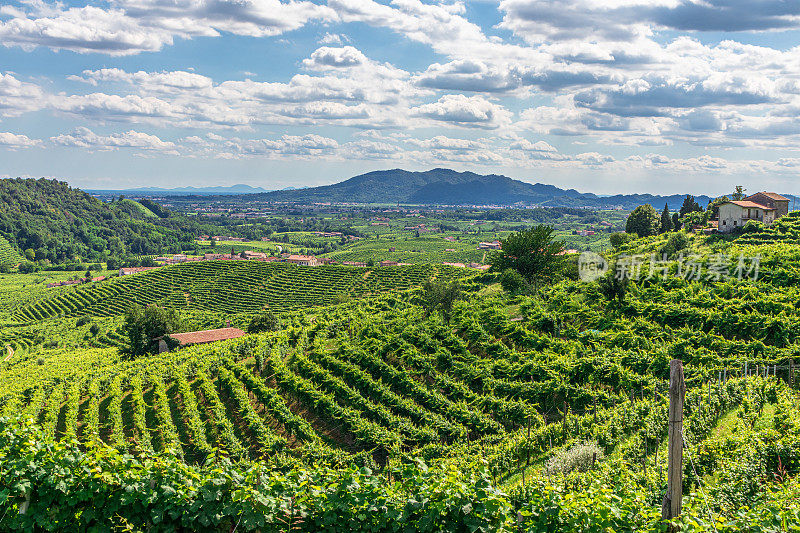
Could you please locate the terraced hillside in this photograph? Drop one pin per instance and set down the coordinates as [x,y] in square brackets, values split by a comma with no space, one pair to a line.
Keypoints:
[8,254]
[233,287]
[510,383]
[545,412]
[337,383]
[785,230]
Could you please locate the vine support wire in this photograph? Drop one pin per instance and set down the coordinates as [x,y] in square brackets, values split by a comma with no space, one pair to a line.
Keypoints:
[699,483]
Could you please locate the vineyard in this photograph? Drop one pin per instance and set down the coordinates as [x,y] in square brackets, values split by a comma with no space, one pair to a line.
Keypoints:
[413,250]
[353,410]
[232,287]
[9,256]
[785,230]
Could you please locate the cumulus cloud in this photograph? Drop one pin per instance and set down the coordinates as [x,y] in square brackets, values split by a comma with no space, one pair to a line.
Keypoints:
[468,75]
[286,145]
[163,81]
[86,138]
[472,111]
[134,26]
[328,57]
[442,142]
[18,97]
[589,20]
[642,98]
[13,141]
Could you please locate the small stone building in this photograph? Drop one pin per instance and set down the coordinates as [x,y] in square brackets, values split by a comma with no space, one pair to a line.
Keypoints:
[763,207]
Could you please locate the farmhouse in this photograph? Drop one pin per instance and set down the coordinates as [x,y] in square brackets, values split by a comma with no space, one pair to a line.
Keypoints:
[494,245]
[764,207]
[200,337]
[305,260]
[389,263]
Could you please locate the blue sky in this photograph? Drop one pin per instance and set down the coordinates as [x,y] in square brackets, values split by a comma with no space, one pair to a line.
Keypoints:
[605,96]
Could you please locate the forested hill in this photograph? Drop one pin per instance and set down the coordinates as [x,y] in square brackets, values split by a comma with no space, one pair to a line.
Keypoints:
[58,222]
[448,187]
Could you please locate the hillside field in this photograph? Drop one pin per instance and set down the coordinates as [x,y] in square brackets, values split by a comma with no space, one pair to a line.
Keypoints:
[231,287]
[488,417]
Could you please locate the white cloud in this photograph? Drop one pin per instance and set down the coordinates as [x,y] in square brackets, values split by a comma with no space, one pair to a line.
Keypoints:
[134,26]
[86,138]
[473,111]
[163,81]
[18,97]
[631,20]
[327,57]
[13,141]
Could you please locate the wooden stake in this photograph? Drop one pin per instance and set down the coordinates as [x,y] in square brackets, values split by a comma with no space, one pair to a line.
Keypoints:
[791,373]
[565,420]
[671,506]
[528,444]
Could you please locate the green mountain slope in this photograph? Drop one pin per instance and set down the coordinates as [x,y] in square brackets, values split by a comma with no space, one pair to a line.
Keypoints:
[448,187]
[59,222]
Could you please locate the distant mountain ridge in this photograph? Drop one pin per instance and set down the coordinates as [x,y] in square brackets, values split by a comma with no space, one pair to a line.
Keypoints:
[441,186]
[182,191]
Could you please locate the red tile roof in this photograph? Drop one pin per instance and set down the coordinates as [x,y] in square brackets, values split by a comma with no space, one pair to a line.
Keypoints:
[210,335]
[773,195]
[749,204]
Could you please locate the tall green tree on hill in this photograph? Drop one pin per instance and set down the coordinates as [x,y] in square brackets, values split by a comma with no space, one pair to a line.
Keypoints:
[676,221]
[144,325]
[533,253]
[713,206]
[666,220]
[440,296]
[739,193]
[690,205]
[643,221]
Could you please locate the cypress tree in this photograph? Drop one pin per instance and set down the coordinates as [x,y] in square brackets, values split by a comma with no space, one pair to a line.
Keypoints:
[666,220]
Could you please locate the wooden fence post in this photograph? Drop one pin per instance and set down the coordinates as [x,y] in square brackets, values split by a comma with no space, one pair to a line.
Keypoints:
[528,447]
[671,506]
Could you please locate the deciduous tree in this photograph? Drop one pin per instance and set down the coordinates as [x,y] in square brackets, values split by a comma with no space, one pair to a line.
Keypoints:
[533,253]
[643,221]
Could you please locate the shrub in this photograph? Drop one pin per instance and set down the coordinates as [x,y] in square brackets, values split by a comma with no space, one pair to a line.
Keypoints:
[27,267]
[440,296]
[94,329]
[619,239]
[579,457]
[753,226]
[613,287]
[267,321]
[513,282]
[677,241]
[82,321]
